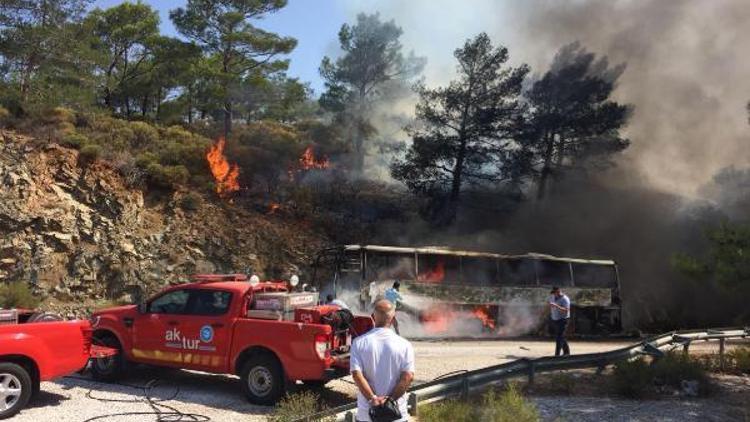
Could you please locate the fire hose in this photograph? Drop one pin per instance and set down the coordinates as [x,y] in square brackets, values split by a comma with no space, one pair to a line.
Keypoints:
[163,412]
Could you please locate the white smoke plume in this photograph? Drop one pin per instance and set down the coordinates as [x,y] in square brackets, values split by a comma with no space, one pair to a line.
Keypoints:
[687,67]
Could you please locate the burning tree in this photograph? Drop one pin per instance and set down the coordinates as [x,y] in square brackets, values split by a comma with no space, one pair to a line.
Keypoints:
[225,175]
[465,132]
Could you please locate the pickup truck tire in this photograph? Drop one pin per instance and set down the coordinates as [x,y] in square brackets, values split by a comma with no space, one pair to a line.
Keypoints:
[15,389]
[111,368]
[262,379]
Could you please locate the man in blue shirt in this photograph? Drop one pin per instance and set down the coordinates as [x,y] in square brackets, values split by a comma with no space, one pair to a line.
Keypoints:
[559,304]
[392,295]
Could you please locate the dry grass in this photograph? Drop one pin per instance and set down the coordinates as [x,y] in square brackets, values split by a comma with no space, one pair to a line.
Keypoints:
[508,405]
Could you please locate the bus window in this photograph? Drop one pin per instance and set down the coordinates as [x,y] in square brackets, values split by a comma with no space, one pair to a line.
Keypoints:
[553,273]
[517,272]
[479,271]
[590,275]
[439,269]
[389,266]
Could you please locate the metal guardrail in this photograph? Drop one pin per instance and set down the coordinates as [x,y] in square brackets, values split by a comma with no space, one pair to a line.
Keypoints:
[462,384]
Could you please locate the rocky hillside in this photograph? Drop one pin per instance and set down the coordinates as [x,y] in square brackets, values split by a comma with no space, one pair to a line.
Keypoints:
[77,233]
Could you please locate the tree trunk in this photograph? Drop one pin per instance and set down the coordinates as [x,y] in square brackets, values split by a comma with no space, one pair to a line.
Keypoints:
[227,118]
[549,141]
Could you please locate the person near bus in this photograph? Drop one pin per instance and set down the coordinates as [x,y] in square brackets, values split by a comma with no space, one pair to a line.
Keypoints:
[559,304]
[393,295]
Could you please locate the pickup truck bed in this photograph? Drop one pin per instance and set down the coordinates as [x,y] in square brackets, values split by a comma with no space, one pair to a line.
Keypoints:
[35,352]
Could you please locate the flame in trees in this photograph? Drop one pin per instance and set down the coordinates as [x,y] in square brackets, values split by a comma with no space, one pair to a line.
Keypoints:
[226,175]
[308,161]
[433,275]
[482,313]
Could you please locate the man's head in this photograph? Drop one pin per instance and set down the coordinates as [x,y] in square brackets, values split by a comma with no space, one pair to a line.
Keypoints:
[329,298]
[556,291]
[396,284]
[383,313]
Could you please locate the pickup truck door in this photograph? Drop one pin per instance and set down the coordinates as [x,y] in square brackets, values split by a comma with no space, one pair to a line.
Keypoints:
[206,328]
[157,336]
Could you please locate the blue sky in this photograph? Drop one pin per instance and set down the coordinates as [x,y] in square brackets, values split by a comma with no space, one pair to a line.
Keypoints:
[315,28]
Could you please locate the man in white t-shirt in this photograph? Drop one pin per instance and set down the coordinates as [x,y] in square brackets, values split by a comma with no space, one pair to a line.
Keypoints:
[559,305]
[382,364]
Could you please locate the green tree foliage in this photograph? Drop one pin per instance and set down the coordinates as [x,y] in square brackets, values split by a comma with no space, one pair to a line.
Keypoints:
[123,37]
[39,45]
[17,295]
[239,49]
[266,151]
[371,68]
[573,122]
[726,263]
[465,132]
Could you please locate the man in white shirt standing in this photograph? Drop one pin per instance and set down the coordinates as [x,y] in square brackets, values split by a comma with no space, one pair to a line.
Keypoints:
[382,364]
[559,305]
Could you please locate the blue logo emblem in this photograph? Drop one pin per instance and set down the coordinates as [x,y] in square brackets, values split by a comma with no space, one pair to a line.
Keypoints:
[207,334]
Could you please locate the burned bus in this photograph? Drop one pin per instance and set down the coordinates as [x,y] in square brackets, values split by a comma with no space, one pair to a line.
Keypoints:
[508,294]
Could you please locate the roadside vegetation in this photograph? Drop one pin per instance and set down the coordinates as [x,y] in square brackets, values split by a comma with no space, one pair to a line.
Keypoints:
[17,295]
[507,405]
[639,378]
[297,405]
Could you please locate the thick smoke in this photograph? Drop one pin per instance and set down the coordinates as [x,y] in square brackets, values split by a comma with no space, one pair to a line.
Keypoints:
[687,78]
[687,67]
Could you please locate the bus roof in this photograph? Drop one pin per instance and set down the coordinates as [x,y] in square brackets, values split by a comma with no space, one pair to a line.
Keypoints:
[443,250]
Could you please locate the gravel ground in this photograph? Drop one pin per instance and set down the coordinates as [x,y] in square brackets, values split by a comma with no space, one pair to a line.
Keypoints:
[78,399]
[596,409]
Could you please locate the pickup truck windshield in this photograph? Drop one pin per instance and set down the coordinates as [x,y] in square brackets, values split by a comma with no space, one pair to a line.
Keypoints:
[204,302]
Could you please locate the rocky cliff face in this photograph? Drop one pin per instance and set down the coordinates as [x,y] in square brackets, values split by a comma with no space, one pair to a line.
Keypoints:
[78,233]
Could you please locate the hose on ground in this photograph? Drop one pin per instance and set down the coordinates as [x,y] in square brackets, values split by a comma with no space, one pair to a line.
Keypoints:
[163,412]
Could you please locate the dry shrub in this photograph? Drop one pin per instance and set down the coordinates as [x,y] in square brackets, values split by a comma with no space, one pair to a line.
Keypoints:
[636,378]
[89,153]
[505,406]
[4,116]
[448,411]
[739,359]
[674,368]
[17,295]
[298,405]
[144,135]
[509,406]
[633,378]
[563,383]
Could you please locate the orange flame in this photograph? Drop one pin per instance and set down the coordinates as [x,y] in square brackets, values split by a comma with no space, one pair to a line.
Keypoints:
[436,320]
[226,175]
[482,313]
[433,275]
[273,207]
[308,161]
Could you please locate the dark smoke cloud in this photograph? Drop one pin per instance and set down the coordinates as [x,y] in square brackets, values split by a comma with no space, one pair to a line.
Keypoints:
[687,76]
[687,67]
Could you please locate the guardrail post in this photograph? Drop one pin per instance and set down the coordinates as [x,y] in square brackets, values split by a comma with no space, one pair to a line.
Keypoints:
[349,417]
[532,371]
[413,401]
[686,348]
[601,367]
[721,353]
[465,388]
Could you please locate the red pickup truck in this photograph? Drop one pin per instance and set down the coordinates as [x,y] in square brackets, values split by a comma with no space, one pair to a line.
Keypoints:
[31,352]
[264,332]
